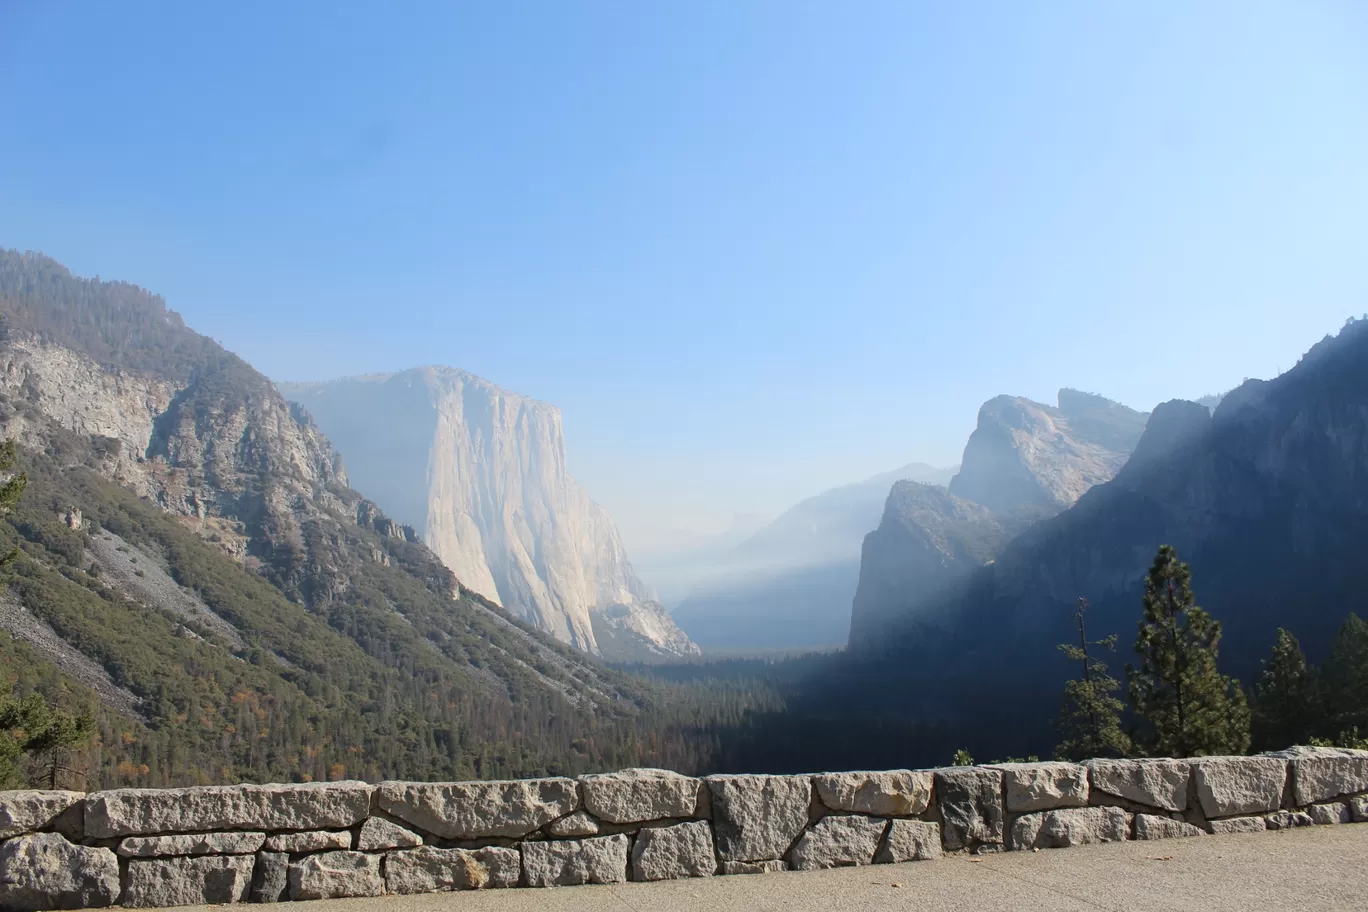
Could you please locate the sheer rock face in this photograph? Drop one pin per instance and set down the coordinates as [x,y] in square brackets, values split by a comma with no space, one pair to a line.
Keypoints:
[1025,462]
[482,472]
[1027,455]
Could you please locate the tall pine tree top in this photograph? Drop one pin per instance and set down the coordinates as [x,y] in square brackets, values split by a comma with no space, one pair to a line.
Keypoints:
[1185,706]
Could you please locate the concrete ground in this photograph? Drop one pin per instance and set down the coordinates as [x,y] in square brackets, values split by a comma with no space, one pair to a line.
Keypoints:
[1323,867]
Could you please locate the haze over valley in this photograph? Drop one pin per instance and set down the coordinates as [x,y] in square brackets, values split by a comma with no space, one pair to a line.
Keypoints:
[457,391]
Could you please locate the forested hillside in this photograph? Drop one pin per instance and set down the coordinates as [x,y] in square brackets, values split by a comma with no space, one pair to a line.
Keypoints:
[293,632]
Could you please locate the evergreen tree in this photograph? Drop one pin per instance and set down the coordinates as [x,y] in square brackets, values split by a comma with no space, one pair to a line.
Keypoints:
[47,738]
[1186,706]
[1285,708]
[1091,718]
[1345,678]
[11,489]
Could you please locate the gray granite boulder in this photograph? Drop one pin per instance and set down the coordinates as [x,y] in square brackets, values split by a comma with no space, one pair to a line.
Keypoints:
[378,834]
[432,870]
[335,875]
[1237,825]
[896,793]
[557,863]
[1239,786]
[671,852]
[970,801]
[190,881]
[639,795]
[137,812]
[45,871]
[838,841]
[1322,773]
[1044,786]
[1068,827]
[270,878]
[1327,814]
[1358,809]
[1152,826]
[754,867]
[579,823]
[29,810]
[1154,783]
[910,840]
[192,844]
[757,818]
[309,841]
[479,810]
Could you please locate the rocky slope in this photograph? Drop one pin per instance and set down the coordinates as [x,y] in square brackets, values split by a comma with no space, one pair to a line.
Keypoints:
[482,473]
[1266,499]
[194,560]
[790,583]
[1024,461]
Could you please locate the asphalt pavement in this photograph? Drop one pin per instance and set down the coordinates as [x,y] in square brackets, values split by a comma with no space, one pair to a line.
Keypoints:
[1324,867]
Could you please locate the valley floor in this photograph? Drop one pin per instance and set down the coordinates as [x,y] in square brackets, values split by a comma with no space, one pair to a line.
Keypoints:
[1313,868]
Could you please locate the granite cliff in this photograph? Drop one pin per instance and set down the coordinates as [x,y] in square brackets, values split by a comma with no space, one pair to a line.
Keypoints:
[481,471]
[1024,462]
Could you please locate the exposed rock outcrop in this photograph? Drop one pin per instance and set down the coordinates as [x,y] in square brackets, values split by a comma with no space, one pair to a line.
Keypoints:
[1024,462]
[482,472]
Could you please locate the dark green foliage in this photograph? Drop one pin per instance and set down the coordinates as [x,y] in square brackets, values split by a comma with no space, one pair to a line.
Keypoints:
[118,324]
[1186,707]
[1090,721]
[1345,679]
[10,491]
[1286,705]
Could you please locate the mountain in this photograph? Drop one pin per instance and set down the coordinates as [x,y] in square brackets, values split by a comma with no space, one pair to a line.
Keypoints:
[674,561]
[481,471]
[1266,499]
[790,583]
[196,571]
[1023,462]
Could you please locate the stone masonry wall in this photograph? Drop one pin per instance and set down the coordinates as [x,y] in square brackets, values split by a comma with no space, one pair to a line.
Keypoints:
[271,843]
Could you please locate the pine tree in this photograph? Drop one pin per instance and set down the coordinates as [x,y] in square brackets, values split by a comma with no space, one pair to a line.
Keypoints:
[1285,710]
[1090,721]
[1345,679]
[1186,706]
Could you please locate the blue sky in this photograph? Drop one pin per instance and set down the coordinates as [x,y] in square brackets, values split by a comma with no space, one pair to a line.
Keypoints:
[752,249]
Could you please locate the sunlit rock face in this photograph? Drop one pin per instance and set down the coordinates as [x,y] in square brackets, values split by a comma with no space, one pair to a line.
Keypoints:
[1024,462]
[482,472]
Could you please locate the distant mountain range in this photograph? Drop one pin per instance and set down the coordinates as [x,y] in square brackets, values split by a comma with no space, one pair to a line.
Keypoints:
[790,583]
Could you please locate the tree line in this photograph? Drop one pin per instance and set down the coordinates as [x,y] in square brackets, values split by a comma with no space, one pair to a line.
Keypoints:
[1180,705]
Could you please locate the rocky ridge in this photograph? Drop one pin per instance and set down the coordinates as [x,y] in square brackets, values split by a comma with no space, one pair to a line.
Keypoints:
[144,847]
[1024,462]
[482,472]
[1265,499]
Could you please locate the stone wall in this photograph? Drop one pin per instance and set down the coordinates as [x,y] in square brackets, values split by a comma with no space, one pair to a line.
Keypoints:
[270,843]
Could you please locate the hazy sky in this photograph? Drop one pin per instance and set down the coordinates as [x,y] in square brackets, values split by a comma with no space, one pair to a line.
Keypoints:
[752,249]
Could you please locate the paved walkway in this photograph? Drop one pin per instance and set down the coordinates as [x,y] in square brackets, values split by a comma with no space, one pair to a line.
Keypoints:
[1322,867]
